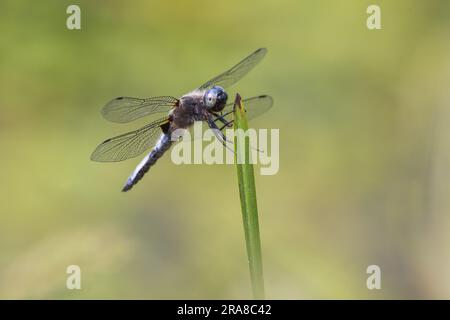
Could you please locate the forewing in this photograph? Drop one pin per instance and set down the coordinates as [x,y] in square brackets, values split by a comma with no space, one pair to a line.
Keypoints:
[234,74]
[126,109]
[254,107]
[128,145]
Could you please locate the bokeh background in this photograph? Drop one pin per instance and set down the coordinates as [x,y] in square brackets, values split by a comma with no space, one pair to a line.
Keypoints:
[364,164]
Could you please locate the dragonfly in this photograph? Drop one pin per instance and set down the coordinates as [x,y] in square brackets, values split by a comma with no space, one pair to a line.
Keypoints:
[207,103]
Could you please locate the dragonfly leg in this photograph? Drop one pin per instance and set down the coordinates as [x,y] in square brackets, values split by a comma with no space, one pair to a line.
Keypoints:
[221,118]
[219,134]
[229,123]
[226,124]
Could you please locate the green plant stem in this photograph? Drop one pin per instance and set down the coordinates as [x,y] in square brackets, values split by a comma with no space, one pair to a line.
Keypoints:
[247,192]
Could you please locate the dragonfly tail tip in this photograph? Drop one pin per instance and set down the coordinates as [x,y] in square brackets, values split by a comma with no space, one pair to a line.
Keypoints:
[127,187]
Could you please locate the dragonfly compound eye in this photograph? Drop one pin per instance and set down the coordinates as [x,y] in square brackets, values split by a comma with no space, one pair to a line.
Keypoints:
[210,98]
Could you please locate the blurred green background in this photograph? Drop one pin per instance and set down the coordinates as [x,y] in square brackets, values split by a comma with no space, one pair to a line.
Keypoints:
[363,118]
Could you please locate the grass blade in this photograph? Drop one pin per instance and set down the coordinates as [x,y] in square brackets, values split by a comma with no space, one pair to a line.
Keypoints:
[247,192]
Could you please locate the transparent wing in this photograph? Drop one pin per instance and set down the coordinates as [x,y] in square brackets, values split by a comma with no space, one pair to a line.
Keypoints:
[126,109]
[254,107]
[234,74]
[128,145]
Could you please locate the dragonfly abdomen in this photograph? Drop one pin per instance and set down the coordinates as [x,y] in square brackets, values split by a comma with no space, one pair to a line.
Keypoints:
[162,146]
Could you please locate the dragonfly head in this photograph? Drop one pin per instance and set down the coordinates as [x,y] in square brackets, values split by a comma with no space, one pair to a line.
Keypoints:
[215,99]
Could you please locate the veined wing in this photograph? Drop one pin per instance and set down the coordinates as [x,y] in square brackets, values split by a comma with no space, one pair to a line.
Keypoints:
[126,109]
[129,145]
[254,107]
[234,74]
